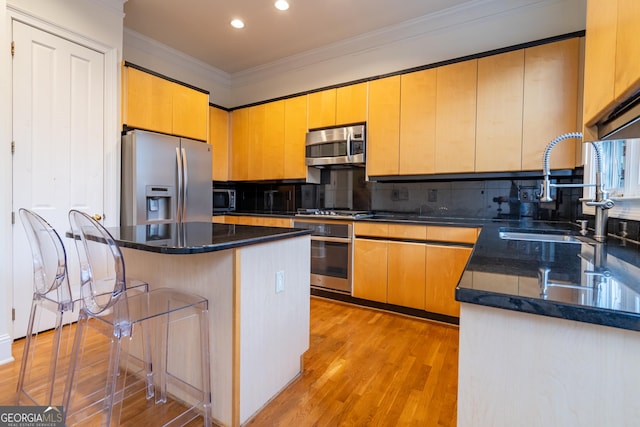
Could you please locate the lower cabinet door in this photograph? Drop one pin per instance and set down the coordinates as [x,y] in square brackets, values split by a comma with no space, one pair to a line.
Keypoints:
[406,276]
[370,270]
[445,265]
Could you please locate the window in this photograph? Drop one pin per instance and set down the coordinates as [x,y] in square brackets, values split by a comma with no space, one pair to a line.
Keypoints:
[620,176]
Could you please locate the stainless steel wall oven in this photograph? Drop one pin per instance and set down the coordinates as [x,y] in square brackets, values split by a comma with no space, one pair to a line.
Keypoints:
[331,245]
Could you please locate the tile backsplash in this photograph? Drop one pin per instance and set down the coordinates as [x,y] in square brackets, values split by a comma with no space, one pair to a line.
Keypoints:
[475,199]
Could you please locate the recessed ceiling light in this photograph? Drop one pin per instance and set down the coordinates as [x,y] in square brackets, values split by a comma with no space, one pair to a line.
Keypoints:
[237,23]
[282,5]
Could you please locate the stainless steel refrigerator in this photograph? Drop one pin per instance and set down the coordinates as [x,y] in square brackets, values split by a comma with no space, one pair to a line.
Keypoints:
[165,179]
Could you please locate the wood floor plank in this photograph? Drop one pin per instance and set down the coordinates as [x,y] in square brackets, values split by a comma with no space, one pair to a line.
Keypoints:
[364,367]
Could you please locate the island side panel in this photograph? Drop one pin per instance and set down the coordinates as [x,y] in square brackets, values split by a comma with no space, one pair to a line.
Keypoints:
[274,326]
[529,370]
[211,276]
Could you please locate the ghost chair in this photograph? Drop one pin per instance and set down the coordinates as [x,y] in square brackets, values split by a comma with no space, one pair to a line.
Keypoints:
[129,321]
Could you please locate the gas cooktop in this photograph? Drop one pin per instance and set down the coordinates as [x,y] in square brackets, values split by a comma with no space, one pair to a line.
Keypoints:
[333,213]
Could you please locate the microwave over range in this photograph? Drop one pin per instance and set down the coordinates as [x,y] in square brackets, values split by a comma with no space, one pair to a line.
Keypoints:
[339,146]
[224,200]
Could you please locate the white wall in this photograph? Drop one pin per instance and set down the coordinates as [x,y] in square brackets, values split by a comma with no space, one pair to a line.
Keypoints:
[98,23]
[475,28]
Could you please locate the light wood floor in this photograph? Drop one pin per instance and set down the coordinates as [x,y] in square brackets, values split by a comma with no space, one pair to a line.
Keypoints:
[363,368]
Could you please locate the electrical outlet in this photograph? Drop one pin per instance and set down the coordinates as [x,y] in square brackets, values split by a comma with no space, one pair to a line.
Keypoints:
[403,193]
[279,282]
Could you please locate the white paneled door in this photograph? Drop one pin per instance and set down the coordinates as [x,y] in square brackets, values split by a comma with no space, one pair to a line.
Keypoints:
[58,131]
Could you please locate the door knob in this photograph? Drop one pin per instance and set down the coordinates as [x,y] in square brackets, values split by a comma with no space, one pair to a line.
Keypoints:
[97,217]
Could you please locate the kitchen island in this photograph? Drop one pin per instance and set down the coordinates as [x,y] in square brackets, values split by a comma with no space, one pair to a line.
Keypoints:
[256,280]
[549,330]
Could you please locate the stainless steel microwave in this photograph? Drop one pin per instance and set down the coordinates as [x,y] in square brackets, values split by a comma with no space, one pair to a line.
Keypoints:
[224,200]
[338,146]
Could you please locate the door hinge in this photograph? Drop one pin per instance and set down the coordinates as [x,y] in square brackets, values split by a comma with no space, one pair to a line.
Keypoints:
[13,48]
[13,217]
[13,147]
[13,314]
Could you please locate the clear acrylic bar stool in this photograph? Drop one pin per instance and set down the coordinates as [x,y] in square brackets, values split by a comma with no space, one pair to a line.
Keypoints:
[177,321]
[44,385]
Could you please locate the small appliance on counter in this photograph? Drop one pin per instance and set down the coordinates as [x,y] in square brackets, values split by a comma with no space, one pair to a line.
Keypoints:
[224,200]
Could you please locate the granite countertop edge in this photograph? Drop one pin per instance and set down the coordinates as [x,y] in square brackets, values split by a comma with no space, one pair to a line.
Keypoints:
[486,254]
[554,309]
[214,247]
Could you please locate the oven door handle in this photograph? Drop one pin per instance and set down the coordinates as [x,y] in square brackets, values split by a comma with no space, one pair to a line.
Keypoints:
[330,239]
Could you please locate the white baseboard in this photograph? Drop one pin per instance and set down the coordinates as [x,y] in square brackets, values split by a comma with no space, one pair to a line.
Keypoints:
[5,349]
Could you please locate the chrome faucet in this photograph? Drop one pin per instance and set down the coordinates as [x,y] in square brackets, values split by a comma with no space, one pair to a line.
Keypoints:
[602,203]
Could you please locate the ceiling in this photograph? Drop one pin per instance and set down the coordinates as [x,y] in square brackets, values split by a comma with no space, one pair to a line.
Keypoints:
[201,29]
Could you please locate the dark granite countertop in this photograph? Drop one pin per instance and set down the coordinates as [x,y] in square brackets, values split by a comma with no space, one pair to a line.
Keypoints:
[197,237]
[585,281]
[589,282]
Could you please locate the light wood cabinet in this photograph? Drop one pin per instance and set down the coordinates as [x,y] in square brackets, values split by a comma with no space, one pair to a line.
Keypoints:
[341,106]
[370,270]
[240,144]
[322,109]
[147,101]
[383,145]
[271,143]
[351,104]
[263,221]
[444,266]
[499,112]
[551,103]
[452,234]
[399,264]
[417,122]
[406,277]
[219,140]
[456,117]
[153,103]
[257,146]
[190,112]
[295,128]
[612,57]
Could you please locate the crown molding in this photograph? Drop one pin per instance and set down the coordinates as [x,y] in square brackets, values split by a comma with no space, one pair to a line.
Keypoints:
[420,27]
[137,41]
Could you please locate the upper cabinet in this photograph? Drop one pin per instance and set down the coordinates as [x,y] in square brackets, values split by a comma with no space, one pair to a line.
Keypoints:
[612,58]
[153,103]
[499,115]
[493,114]
[551,82]
[456,117]
[219,140]
[417,122]
[351,104]
[383,126]
[257,149]
[295,129]
[344,105]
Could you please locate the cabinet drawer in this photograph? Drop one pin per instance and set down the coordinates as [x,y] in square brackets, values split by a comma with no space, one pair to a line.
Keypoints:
[371,229]
[452,234]
[412,232]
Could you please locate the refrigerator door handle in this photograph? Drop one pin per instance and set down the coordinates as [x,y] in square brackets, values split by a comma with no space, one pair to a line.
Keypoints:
[185,186]
[179,192]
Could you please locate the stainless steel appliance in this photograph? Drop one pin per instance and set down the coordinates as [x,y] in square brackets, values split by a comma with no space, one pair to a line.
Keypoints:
[164,179]
[224,200]
[331,246]
[336,146]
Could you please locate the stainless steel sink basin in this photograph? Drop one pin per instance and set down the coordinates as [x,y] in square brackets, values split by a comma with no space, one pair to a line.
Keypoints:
[550,236]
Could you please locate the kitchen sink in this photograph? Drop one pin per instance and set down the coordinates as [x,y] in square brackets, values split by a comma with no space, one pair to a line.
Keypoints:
[549,236]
